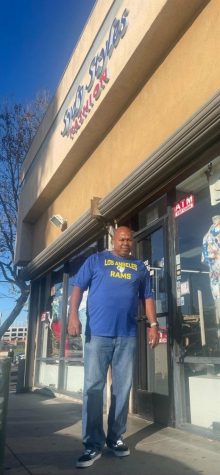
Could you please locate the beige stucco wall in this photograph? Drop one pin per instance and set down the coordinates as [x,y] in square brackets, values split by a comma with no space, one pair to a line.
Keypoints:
[186,79]
[50,154]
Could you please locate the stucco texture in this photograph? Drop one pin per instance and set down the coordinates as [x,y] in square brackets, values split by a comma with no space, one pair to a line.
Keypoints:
[185,80]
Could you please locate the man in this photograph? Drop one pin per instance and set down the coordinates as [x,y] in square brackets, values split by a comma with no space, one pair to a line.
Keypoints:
[116,282]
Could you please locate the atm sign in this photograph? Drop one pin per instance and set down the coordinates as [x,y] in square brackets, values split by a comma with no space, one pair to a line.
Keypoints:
[185,204]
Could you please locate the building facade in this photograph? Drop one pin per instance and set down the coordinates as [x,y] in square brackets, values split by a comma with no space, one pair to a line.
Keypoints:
[132,137]
[15,334]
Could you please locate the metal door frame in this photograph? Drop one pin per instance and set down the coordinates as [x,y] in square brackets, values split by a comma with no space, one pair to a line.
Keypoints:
[154,398]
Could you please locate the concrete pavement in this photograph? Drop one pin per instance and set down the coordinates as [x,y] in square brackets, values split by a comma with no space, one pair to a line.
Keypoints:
[44,438]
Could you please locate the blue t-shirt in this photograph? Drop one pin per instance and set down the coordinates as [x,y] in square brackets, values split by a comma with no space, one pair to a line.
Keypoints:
[115,286]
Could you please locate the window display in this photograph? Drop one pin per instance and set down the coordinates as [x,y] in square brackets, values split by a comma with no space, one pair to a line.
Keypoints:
[60,357]
[198,268]
[211,255]
[74,363]
[198,295]
[55,321]
[51,330]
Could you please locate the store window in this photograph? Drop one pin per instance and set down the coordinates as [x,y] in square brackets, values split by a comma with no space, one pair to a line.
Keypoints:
[74,362]
[198,262]
[197,217]
[55,324]
[151,213]
[59,364]
[51,330]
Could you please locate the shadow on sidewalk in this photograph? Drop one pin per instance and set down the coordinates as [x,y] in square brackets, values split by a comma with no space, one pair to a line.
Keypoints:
[61,456]
[44,438]
[144,433]
[35,415]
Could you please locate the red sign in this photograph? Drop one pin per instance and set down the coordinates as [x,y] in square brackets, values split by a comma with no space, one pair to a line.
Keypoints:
[89,92]
[184,205]
[162,336]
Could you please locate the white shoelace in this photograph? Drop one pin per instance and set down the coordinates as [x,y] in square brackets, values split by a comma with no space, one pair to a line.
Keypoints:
[88,451]
[119,442]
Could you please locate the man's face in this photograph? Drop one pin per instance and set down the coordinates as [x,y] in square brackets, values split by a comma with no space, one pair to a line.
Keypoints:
[122,241]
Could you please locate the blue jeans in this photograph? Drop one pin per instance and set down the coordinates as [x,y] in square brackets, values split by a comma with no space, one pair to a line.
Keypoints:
[100,353]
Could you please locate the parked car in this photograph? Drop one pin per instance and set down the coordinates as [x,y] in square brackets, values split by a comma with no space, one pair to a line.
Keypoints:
[19,357]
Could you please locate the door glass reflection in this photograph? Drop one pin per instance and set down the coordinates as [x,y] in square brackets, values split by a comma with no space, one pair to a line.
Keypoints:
[152,250]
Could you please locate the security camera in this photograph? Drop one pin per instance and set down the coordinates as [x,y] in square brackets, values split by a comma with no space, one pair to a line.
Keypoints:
[59,221]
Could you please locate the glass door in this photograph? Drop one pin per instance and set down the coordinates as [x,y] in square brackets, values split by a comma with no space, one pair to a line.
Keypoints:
[151,385]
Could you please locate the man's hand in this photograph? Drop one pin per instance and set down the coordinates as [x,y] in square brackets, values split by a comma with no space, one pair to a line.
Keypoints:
[153,337]
[74,326]
[153,334]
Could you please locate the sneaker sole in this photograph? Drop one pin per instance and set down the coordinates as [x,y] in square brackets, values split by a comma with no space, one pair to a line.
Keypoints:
[120,454]
[88,463]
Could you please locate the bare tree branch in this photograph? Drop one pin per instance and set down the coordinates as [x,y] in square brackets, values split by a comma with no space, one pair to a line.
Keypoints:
[18,126]
[4,273]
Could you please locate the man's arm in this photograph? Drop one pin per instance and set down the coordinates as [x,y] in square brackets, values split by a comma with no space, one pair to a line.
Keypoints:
[74,325]
[150,311]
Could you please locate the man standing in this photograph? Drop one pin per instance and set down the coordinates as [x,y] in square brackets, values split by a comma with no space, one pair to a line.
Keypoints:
[116,282]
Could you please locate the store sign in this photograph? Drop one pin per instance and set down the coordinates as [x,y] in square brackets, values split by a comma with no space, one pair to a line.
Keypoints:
[185,288]
[184,205]
[88,94]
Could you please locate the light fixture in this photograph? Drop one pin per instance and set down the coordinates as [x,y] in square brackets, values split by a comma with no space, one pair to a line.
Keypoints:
[59,221]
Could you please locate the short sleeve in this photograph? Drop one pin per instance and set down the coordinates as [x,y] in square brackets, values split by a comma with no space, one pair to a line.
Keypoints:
[84,276]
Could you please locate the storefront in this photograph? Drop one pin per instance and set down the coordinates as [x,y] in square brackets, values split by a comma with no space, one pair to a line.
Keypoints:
[133,138]
[181,247]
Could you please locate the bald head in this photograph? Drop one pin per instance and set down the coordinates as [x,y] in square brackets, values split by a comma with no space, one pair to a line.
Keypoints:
[122,241]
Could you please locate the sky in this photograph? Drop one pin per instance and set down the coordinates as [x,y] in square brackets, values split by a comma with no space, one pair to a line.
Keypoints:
[37,38]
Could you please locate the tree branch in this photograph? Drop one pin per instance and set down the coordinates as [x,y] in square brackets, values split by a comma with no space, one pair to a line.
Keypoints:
[18,125]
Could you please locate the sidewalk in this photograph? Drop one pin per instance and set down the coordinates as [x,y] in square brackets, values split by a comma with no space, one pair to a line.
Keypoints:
[44,437]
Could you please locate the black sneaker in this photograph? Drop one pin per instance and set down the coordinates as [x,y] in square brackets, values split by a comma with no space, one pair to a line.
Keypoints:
[119,448]
[88,458]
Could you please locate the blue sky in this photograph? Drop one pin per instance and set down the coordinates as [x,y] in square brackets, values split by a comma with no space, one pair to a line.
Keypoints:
[37,38]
